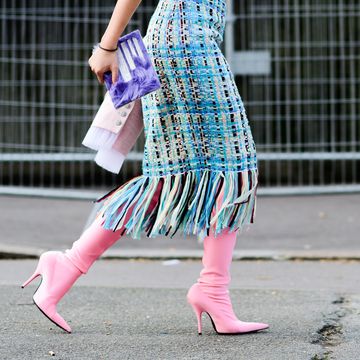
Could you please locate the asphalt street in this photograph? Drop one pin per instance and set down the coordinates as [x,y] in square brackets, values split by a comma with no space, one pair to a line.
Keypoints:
[296,269]
[136,309]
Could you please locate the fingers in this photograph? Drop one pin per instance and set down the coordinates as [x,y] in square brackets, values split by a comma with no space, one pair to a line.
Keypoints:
[114,73]
[99,74]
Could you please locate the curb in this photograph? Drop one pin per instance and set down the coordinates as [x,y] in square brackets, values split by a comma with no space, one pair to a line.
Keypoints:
[16,252]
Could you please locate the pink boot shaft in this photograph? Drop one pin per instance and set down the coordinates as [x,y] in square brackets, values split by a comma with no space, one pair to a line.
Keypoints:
[95,240]
[211,295]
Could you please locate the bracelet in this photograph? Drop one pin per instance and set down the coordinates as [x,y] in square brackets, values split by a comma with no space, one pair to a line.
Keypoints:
[107,49]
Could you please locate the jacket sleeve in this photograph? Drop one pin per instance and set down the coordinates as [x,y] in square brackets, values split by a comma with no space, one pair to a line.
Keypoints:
[114,132]
[112,158]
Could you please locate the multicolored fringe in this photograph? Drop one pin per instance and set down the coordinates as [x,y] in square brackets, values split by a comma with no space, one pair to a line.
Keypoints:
[188,201]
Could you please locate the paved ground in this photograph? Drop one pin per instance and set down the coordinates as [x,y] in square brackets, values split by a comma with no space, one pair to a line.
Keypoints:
[118,313]
[132,306]
[287,226]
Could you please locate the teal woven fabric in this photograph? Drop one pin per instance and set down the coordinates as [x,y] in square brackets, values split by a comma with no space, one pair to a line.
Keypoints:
[198,141]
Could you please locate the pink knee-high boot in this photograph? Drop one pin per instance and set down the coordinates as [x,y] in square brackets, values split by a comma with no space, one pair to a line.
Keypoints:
[210,293]
[59,270]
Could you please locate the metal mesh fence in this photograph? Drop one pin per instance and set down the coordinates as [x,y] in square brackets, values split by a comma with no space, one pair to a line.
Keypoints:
[305,110]
[49,95]
[296,64]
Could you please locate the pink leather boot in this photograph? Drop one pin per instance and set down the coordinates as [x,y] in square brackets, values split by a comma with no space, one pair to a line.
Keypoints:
[211,295]
[59,270]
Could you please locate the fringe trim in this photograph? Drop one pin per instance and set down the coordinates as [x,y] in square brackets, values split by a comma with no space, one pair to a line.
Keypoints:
[188,201]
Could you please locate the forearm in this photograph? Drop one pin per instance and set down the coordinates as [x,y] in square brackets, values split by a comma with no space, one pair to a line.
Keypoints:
[123,11]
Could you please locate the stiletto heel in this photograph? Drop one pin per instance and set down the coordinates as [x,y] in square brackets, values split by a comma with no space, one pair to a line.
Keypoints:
[31,278]
[198,311]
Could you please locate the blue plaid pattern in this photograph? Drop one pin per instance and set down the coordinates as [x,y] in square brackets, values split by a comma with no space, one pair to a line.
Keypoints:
[198,141]
[196,120]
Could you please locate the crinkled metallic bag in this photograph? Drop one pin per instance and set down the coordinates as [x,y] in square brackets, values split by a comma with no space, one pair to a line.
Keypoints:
[137,76]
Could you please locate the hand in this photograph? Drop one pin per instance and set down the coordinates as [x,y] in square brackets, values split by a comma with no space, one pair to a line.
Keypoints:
[102,61]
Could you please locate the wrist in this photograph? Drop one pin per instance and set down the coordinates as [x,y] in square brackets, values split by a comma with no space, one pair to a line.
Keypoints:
[108,43]
[107,49]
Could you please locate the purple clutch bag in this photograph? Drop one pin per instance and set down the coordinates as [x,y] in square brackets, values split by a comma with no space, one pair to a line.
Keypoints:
[137,76]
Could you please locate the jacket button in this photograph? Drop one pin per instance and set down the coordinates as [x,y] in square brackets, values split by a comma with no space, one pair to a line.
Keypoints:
[123,113]
[128,106]
[119,122]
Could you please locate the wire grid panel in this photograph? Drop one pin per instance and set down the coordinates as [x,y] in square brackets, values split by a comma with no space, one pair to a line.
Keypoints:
[303,109]
[305,112]
[49,95]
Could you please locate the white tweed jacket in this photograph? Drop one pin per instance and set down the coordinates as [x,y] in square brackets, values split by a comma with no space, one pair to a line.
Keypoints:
[113,132]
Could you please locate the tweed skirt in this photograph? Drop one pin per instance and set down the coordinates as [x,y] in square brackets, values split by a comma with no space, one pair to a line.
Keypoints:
[199,170]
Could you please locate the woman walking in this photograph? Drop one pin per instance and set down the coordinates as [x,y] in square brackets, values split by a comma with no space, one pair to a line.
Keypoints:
[199,171]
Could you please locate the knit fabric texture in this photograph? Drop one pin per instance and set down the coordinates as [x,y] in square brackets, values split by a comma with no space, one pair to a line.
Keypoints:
[198,141]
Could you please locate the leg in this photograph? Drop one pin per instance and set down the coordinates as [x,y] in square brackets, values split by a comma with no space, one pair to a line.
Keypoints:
[59,270]
[210,294]
[95,240]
